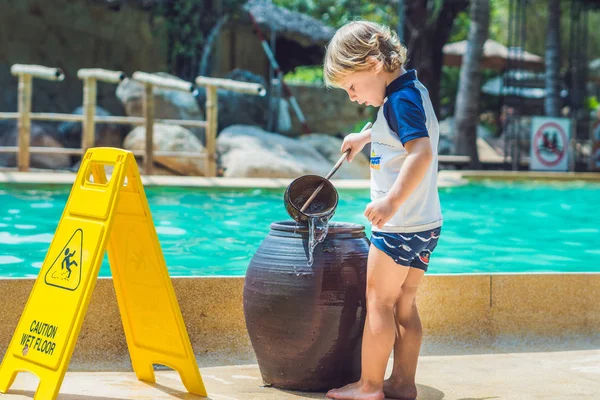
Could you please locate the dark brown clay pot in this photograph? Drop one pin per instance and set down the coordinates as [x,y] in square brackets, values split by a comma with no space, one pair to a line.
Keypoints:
[305,323]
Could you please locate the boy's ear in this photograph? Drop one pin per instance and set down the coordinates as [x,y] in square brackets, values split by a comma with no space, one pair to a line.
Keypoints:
[375,64]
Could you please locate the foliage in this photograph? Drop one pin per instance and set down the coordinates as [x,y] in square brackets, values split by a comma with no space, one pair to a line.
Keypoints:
[592,103]
[338,12]
[305,74]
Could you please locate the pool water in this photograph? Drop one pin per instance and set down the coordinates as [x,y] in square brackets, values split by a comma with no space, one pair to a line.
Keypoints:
[489,227]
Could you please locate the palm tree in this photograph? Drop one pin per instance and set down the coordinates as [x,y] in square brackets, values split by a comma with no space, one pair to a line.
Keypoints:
[466,116]
[552,101]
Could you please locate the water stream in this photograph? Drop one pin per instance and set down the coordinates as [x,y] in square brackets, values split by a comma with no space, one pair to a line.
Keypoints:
[317,231]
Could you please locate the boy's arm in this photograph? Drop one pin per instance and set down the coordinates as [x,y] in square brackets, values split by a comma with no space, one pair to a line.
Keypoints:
[412,172]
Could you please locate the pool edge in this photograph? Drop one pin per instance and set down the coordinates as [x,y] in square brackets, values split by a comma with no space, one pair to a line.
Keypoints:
[446,178]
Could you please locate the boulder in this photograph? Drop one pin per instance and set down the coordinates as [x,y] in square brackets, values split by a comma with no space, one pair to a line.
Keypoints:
[239,108]
[251,152]
[106,135]
[42,135]
[170,138]
[168,104]
[329,147]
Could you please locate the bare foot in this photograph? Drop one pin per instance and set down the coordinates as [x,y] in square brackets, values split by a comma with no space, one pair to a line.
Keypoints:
[356,391]
[398,390]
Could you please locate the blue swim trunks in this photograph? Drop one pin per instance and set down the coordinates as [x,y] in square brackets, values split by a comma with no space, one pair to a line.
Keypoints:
[408,249]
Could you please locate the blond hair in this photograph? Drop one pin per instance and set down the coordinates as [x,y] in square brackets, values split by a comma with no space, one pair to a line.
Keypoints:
[354,43]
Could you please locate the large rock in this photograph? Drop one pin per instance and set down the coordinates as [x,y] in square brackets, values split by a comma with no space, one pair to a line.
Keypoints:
[42,135]
[248,151]
[329,147]
[328,111]
[106,135]
[168,104]
[170,138]
[239,108]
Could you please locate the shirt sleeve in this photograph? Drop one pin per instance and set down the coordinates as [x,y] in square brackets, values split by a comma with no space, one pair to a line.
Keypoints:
[405,117]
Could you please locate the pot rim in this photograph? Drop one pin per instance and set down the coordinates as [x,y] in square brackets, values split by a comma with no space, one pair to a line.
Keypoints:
[335,227]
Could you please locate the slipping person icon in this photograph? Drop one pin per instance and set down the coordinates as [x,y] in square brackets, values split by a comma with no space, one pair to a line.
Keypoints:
[66,262]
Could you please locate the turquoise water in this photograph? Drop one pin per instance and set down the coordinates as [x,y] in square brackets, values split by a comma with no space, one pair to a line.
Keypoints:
[488,227]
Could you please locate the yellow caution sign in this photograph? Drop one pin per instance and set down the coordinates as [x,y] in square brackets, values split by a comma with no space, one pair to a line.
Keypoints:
[102,214]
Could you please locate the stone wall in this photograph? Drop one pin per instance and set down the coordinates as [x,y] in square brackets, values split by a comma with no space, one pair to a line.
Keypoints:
[74,34]
[327,110]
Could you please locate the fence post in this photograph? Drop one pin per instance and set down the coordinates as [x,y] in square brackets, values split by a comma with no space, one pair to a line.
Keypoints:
[212,120]
[150,81]
[149,124]
[24,139]
[90,77]
[89,112]
[26,74]
[212,113]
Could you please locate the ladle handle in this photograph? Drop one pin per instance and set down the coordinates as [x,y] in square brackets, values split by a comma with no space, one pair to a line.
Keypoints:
[329,175]
[337,165]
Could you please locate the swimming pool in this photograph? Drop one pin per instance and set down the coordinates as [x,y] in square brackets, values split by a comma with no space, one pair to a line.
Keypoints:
[489,227]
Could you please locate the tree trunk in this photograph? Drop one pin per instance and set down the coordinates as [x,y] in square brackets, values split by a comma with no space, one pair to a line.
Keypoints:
[425,37]
[466,117]
[552,101]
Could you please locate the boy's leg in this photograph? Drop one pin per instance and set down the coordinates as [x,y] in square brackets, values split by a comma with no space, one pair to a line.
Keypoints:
[384,287]
[401,383]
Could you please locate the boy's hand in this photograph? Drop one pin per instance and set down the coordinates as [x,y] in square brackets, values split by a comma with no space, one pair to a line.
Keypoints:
[355,142]
[379,211]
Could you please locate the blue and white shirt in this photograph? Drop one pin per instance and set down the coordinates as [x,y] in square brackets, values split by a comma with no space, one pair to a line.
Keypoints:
[405,115]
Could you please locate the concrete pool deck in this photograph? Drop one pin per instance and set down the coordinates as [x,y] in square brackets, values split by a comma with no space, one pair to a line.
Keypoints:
[502,372]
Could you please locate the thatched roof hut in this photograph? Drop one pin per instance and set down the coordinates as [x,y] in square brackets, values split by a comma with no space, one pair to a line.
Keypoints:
[299,39]
[291,25]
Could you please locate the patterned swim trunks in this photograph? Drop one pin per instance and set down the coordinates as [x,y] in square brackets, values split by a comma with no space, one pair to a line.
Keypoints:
[408,249]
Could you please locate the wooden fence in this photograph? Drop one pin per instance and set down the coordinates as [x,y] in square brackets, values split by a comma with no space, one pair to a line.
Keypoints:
[90,77]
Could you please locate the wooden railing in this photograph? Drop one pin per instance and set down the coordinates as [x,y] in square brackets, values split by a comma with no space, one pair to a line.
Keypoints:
[90,77]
